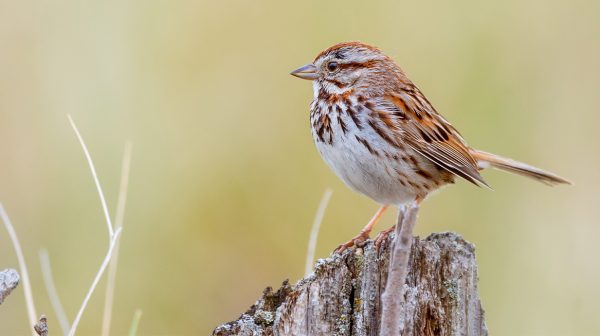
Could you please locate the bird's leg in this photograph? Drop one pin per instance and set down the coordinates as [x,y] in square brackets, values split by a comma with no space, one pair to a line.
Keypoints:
[385,233]
[364,233]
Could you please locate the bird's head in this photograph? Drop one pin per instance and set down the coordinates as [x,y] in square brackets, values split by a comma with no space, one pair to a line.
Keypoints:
[350,65]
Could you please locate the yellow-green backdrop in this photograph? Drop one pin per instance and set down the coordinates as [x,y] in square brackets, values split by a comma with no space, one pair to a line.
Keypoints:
[225,180]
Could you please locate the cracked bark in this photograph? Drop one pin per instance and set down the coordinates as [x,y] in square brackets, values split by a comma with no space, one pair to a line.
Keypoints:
[342,295]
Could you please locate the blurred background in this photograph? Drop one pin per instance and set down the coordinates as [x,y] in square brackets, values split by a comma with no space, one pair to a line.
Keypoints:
[225,179]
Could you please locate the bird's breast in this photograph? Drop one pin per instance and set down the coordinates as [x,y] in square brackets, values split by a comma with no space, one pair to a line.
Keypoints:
[363,159]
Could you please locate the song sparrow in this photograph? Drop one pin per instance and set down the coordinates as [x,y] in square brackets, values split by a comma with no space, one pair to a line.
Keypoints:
[383,138]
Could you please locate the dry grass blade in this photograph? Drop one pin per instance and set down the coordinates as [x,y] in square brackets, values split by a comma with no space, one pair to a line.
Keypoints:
[112,268]
[113,235]
[95,176]
[22,266]
[135,322]
[113,242]
[314,231]
[63,321]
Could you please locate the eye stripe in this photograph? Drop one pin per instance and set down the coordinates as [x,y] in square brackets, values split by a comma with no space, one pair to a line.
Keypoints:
[356,65]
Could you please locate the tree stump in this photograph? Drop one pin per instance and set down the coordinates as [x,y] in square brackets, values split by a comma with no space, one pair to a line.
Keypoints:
[342,295]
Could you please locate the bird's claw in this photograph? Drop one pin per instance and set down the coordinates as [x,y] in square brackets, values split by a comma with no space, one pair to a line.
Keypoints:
[383,235]
[358,241]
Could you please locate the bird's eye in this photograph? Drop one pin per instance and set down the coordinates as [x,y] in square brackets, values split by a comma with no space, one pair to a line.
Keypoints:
[332,66]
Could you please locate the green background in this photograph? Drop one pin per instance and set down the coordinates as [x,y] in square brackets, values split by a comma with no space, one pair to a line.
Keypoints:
[225,179]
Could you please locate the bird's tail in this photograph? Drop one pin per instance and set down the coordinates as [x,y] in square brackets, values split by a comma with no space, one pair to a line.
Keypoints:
[485,160]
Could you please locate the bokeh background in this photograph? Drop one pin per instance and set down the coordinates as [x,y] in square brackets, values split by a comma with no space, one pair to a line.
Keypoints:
[225,179]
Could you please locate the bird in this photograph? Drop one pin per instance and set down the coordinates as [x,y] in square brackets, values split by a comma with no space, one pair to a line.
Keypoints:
[381,136]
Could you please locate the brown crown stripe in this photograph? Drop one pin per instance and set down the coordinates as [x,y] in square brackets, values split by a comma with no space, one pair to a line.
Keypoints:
[338,48]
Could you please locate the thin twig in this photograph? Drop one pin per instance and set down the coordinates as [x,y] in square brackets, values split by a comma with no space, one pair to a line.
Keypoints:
[113,242]
[113,235]
[95,176]
[135,322]
[392,298]
[112,268]
[314,231]
[63,321]
[22,266]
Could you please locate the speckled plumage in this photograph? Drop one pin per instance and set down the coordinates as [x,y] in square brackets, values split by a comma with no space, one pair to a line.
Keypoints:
[382,137]
[389,172]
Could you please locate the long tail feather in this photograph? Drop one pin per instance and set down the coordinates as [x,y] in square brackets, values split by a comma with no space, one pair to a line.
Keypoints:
[485,160]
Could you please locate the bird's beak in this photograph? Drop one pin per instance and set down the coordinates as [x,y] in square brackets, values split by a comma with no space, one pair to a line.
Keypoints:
[308,71]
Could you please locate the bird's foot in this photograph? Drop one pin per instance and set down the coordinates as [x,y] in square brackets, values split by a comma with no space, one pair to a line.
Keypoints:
[383,235]
[358,241]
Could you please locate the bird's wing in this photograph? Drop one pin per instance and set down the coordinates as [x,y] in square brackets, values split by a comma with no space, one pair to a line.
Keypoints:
[427,132]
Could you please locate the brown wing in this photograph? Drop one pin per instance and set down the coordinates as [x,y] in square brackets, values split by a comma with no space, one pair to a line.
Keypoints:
[427,132]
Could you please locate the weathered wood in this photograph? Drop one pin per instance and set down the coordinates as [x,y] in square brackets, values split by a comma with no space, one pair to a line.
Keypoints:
[9,280]
[342,295]
[41,328]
